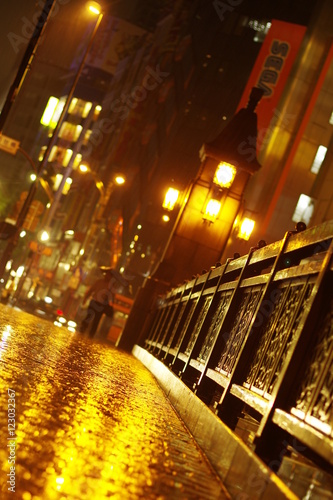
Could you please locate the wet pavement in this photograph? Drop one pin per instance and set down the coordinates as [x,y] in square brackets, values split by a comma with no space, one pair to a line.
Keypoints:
[80,420]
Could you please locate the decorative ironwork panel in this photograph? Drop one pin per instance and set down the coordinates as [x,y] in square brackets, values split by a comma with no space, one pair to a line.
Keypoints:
[157,321]
[302,305]
[176,325]
[265,338]
[204,307]
[215,325]
[315,397]
[278,335]
[164,323]
[247,306]
[193,303]
[170,322]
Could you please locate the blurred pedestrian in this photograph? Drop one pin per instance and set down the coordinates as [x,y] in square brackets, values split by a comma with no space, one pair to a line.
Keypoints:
[101,295]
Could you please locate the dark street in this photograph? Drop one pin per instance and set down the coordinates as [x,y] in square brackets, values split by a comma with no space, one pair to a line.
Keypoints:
[90,422]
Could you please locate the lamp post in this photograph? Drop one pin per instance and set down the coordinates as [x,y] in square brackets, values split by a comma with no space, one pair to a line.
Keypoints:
[26,61]
[213,199]
[32,191]
[100,208]
[207,215]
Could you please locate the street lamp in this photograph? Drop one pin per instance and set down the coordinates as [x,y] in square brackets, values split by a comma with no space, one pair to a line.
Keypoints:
[170,199]
[214,199]
[26,62]
[95,9]
[227,164]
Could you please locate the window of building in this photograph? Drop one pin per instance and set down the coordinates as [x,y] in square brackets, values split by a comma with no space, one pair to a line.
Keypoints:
[97,111]
[318,159]
[60,155]
[78,107]
[304,209]
[77,161]
[261,28]
[86,137]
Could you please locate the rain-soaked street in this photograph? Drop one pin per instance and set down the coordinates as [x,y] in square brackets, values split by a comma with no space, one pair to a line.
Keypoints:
[83,420]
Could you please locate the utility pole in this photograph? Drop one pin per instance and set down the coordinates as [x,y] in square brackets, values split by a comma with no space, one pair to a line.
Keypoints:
[26,61]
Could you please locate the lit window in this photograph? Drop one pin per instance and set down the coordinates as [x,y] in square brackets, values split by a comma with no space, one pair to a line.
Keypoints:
[318,160]
[72,105]
[77,161]
[86,109]
[42,153]
[67,157]
[330,121]
[77,133]
[260,27]
[57,113]
[67,185]
[97,111]
[57,181]
[67,131]
[304,209]
[79,107]
[55,154]
[87,137]
[49,111]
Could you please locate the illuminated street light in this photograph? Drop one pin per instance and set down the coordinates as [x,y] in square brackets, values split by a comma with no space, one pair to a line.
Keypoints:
[44,236]
[83,168]
[224,174]
[170,199]
[215,195]
[119,179]
[212,210]
[246,228]
[94,7]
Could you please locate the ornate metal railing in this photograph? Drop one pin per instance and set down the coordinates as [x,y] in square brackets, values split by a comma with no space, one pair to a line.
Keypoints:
[257,333]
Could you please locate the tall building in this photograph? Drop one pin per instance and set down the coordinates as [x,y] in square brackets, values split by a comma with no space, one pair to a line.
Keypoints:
[167,77]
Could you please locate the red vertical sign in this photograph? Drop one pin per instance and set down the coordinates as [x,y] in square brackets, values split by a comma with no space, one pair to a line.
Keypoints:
[272,68]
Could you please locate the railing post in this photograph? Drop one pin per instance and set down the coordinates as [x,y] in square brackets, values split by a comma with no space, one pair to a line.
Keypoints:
[268,434]
[228,407]
[193,313]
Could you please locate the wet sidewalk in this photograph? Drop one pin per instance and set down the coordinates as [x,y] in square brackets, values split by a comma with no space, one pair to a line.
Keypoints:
[90,422]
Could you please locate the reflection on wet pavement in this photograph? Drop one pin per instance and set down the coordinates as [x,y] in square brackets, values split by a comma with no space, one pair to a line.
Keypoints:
[90,422]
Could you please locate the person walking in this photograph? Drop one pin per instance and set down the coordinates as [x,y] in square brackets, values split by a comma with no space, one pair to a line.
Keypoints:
[101,295]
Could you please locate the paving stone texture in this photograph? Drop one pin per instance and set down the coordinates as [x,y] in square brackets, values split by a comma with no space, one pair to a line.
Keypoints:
[88,421]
